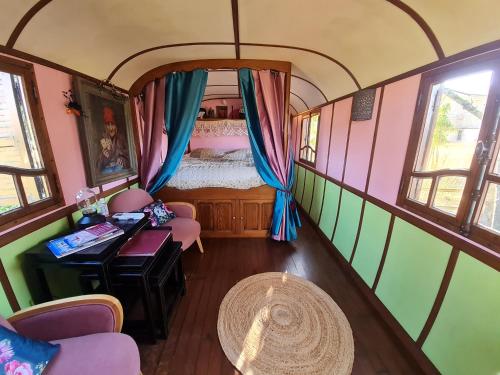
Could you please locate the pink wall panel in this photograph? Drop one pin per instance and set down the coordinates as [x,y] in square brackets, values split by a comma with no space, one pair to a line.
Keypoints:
[325,120]
[359,149]
[223,143]
[62,129]
[395,123]
[341,117]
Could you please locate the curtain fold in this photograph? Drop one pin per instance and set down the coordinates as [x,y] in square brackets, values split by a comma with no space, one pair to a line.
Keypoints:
[263,100]
[183,94]
[151,115]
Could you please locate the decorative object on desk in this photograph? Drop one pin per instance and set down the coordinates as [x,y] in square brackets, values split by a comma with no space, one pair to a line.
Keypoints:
[267,317]
[21,355]
[362,105]
[83,239]
[126,216]
[102,207]
[159,213]
[72,106]
[86,200]
[105,134]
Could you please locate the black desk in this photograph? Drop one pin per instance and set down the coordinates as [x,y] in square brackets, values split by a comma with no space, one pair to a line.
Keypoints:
[93,261]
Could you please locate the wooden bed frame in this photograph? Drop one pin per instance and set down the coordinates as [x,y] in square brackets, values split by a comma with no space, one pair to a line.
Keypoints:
[224,212]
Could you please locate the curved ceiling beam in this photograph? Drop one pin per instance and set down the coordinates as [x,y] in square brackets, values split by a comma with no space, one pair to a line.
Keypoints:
[423,25]
[312,84]
[24,21]
[123,62]
[302,100]
[296,112]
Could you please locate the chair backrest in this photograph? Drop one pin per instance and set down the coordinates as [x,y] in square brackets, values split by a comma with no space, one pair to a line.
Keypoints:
[129,200]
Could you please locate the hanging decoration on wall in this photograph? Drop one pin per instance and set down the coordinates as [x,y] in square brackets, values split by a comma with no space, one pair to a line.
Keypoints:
[362,105]
[220,128]
[72,106]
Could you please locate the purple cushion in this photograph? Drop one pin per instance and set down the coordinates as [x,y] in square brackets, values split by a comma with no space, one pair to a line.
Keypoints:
[184,230]
[100,353]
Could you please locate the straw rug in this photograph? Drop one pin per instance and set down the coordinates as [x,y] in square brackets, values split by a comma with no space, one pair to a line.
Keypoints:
[276,323]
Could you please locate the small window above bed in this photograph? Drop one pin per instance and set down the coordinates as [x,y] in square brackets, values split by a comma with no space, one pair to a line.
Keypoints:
[309,138]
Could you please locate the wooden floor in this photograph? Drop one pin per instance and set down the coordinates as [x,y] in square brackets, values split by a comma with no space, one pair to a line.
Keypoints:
[193,346]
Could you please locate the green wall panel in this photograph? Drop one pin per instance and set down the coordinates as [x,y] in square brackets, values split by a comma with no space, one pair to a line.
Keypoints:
[347,226]
[300,184]
[330,207]
[308,190]
[11,256]
[412,273]
[317,200]
[465,338]
[371,242]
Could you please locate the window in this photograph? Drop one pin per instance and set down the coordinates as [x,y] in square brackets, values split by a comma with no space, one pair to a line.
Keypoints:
[309,138]
[452,171]
[28,181]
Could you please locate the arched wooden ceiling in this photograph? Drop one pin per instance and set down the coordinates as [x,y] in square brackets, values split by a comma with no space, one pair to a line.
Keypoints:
[335,46]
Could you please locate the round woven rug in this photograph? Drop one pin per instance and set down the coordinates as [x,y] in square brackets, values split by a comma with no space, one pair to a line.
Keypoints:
[276,323]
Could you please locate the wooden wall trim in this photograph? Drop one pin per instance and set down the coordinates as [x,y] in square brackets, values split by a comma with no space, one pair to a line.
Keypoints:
[181,66]
[236,27]
[384,252]
[312,84]
[24,21]
[23,230]
[443,288]
[423,25]
[486,48]
[38,60]
[7,288]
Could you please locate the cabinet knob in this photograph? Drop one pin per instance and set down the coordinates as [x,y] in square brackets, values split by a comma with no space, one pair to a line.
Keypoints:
[234,217]
[241,218]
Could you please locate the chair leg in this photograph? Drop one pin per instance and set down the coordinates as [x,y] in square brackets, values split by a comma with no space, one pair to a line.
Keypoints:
[200,246]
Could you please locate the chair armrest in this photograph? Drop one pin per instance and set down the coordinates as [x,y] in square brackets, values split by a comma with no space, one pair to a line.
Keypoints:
[70,317]
[183,209]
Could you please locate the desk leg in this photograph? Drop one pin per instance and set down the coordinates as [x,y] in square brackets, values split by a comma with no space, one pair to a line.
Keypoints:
[45,294]
[148,308]
[105,280]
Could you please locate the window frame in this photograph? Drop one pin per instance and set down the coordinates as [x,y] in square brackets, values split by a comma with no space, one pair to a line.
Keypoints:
[468,207]
[27,210]
[308,117]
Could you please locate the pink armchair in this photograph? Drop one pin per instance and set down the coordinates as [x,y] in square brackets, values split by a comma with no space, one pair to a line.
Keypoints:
[185,228]
[87,327]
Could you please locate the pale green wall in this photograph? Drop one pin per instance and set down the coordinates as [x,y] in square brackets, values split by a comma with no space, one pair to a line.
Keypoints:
[347,226]
[330,208]
[319,186]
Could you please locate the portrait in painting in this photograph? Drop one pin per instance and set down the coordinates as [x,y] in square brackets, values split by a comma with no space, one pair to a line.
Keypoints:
[105,133]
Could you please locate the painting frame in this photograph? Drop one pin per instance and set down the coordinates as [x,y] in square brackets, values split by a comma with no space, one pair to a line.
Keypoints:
[106,133]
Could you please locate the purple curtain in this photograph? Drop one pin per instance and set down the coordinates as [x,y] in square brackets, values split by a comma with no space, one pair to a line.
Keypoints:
[270,98]
[151,116]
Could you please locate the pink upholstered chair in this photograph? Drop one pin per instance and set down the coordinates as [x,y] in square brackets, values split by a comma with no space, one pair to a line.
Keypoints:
[87,327]
[185,228]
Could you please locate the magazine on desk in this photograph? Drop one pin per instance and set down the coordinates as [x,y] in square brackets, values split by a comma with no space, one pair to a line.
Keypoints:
[83,239]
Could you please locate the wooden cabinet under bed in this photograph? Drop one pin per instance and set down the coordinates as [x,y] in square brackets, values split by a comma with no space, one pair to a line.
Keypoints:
[224,212]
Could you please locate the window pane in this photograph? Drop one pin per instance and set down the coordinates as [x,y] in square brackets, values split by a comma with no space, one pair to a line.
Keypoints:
[449,191]
[18,143]
[8,194]
[419,189]
[490,212]
[35,188]
[313,131]
[452,122]
[303,137]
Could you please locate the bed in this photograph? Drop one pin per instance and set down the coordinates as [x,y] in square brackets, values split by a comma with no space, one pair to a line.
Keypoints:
[231,199]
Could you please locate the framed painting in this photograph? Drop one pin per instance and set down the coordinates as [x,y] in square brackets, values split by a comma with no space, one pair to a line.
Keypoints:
[106,135]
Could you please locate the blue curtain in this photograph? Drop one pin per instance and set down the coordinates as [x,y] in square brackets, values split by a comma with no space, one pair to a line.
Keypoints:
[284,203]
[183,94]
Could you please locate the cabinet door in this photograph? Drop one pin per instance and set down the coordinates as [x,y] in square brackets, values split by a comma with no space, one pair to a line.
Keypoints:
[224,216]
[205,215]
[255,217]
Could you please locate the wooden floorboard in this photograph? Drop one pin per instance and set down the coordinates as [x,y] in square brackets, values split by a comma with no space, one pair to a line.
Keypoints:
[193,346]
